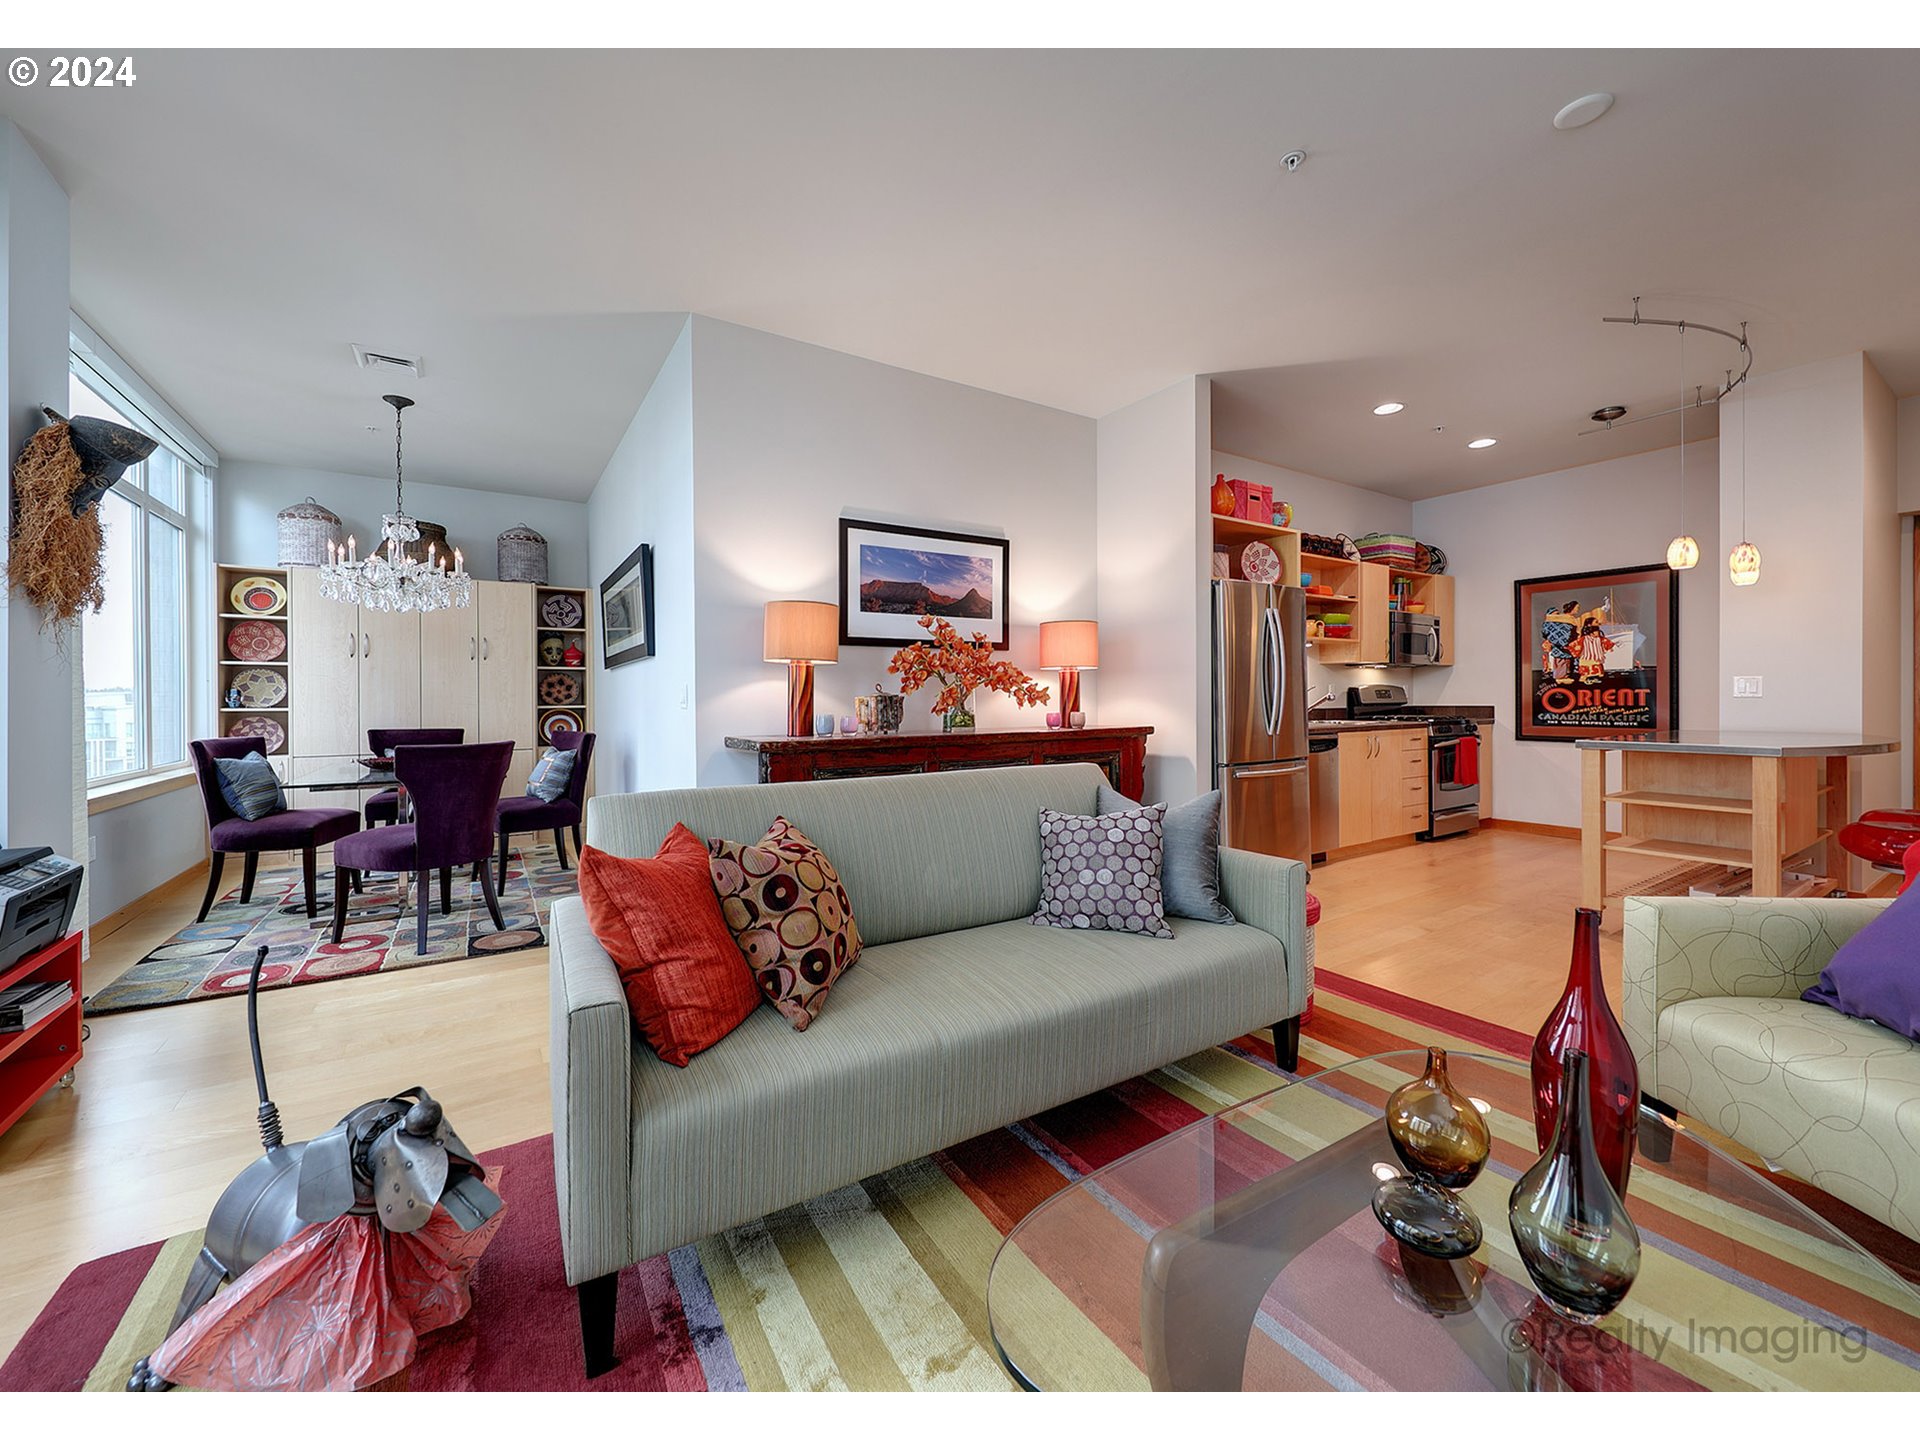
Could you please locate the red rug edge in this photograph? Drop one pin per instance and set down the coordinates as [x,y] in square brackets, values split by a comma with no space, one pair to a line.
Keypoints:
[1405,1007]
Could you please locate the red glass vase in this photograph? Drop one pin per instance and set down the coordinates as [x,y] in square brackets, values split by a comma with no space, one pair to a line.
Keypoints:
[1584,1021]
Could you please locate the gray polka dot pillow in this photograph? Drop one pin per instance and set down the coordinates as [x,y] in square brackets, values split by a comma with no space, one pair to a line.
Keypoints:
[1102,872]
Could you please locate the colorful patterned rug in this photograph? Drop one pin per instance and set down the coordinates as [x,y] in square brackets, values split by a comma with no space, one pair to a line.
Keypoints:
[211,959]
[877,1286]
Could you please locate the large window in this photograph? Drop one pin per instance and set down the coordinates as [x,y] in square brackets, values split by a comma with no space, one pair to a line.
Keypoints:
[136,676]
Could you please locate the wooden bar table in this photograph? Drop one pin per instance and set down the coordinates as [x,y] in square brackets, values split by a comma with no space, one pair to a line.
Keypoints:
[1762,801]
[1120,750]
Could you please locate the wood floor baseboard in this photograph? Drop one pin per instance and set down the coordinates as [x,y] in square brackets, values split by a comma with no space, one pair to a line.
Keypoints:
[102,928]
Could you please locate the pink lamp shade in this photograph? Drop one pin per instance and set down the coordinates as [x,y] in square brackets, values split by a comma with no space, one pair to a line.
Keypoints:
[1069,646]
[803,633]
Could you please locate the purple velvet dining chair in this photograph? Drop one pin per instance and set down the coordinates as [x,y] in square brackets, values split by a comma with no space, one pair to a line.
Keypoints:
[519,814]
[227,834]
[454,788]
[384,806]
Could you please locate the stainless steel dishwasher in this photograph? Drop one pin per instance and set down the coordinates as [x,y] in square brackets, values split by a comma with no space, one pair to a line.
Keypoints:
[1323,790]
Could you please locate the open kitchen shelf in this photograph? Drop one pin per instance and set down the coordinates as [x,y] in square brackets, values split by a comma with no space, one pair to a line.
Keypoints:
[1732,857]
[1667,800]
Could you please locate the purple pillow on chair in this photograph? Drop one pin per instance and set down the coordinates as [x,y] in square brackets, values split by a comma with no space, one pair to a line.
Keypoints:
[1876,975]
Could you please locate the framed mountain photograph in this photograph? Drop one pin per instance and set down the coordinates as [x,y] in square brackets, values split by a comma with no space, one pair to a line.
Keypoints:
[891,575]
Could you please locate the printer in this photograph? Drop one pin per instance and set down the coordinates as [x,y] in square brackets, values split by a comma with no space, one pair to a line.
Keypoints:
[38,892]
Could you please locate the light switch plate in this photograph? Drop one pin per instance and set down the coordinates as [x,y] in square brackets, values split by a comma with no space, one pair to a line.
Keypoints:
[1746,687]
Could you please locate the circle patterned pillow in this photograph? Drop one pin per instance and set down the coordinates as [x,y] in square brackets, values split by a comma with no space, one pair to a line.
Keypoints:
[1102,872]
[789,914]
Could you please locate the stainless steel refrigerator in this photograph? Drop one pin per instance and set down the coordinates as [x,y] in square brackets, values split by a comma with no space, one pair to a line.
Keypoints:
[1260,717]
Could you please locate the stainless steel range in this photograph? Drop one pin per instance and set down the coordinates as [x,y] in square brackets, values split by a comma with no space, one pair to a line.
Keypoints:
[1453,757]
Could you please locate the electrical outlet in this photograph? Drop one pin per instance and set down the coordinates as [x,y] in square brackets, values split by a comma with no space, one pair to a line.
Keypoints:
[683,697]
[93,848]
[1746,687]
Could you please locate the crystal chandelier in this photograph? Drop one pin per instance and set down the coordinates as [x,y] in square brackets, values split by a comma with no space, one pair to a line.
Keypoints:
[390,578]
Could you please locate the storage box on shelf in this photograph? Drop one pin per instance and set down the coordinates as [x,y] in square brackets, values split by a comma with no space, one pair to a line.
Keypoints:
[34,1060]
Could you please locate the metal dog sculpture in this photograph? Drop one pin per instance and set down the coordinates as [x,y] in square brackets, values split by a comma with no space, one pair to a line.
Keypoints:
[394,1159]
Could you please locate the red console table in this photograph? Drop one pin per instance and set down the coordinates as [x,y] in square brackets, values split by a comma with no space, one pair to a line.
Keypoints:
[1120,750]
[34,1060]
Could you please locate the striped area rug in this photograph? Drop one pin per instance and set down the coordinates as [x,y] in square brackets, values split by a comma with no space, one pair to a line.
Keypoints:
[877,1286]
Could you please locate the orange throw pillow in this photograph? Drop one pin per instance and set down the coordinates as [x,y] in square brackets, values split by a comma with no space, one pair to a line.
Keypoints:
[660,921]
[789,914]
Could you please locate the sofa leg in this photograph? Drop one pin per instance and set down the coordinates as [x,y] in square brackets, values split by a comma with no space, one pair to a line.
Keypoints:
[1286,1044]
[598,1298]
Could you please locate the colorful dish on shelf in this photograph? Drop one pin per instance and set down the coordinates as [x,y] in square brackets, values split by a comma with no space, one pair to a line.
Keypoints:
[1259,563]
[256,640]
[563,611]
[560,689]
[259,595]
[558,722]
[1337,617]
[259,689]
[267,728]
[1339,632]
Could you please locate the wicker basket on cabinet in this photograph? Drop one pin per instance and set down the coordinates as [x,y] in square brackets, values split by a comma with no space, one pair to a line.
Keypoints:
[306,527]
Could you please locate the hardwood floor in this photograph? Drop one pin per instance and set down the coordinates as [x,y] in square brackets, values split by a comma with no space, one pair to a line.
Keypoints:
[161,1116]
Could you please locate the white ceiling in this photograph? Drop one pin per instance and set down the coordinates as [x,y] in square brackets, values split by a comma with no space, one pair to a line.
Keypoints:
[1078,229]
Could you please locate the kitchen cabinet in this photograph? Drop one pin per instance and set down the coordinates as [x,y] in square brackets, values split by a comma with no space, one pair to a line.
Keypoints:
[1383,785]
[389,669]
[504,617]
[450,669]
[323,676]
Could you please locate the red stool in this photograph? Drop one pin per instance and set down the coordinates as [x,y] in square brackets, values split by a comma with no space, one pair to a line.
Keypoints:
[1911,864]
[1882,837]
[1313,919]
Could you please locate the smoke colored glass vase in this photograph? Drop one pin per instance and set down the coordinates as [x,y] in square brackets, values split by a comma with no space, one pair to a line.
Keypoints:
[1569,1224]
[1436,1131]
[1584,1021]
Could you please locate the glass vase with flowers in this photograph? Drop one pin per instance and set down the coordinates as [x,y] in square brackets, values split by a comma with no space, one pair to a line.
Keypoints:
[960,667]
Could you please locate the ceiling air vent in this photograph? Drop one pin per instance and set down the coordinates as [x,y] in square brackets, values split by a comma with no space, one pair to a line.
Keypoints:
[385,360]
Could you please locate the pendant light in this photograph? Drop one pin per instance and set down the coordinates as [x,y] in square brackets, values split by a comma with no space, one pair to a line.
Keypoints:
[1684,551]
[1743,565]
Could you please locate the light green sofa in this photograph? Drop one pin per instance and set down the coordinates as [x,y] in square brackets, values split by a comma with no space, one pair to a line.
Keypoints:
[1713,1011]
[959,1017]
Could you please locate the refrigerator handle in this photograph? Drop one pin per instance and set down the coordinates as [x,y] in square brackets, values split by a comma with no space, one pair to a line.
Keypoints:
[1278,643]
[1269,686]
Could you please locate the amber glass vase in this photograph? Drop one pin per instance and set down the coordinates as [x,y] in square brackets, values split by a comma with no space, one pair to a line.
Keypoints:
[1436,1131]
[1569,1224]
[1584,1021]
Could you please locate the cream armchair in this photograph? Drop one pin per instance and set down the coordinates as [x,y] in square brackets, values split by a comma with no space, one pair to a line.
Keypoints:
[1713,1012]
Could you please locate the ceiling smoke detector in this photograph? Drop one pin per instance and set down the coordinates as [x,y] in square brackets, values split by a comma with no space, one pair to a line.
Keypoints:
[1607,414]
[1293,160]
[386,360]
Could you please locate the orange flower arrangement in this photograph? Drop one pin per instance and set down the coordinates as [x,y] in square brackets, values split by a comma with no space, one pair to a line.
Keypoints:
[961,667]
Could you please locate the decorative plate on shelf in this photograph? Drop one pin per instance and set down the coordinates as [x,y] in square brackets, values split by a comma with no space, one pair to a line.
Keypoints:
[560,689]
[266,727]
[259,689]
[558,722]
[256,640]
[259,595]
[1258,562]
[563,611]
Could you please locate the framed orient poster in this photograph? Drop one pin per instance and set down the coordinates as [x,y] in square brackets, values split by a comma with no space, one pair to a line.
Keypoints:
[1597,654]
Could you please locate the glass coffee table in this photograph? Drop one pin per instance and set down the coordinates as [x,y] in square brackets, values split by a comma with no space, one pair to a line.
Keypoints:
[1241,1252]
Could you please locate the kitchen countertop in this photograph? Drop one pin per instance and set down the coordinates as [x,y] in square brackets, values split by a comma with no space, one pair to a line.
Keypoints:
[1331,726]
[1784,744]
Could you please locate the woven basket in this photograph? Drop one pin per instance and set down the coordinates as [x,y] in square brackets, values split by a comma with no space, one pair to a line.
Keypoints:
[1384,549]
[521,554]
[305,529]
[436,536]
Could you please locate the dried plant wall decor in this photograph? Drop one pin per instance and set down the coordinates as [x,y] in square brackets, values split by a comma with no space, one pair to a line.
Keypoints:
[54,550]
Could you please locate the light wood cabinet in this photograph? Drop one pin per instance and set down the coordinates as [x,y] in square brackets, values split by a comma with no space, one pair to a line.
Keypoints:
[507,657]
[323,676]
[389,670]
[450,669]
[1383,785]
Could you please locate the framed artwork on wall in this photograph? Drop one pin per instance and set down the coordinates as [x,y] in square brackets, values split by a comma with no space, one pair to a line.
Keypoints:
[626,610]
[1597,653]
[891,575]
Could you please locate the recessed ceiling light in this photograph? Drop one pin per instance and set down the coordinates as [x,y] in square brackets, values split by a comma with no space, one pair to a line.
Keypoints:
[1483,443]
[1392,407]
[1584,111]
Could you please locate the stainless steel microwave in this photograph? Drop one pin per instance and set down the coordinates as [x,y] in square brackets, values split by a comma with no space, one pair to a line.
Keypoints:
[1413,639]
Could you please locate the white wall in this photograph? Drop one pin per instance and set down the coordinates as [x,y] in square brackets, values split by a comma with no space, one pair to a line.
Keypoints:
[1153,543]
[788,438]
[1329,507]
[1907,425]
[1886,664]
[643,714]
[141,846]
[250,497]
[1594,517]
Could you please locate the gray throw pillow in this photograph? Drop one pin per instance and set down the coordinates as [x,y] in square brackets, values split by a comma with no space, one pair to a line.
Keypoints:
[249,786]
[1102,872]
[552,776]
[1190,872]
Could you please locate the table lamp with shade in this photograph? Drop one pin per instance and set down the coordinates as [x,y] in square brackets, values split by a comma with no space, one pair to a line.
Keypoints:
[1069,646]
[803,633]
